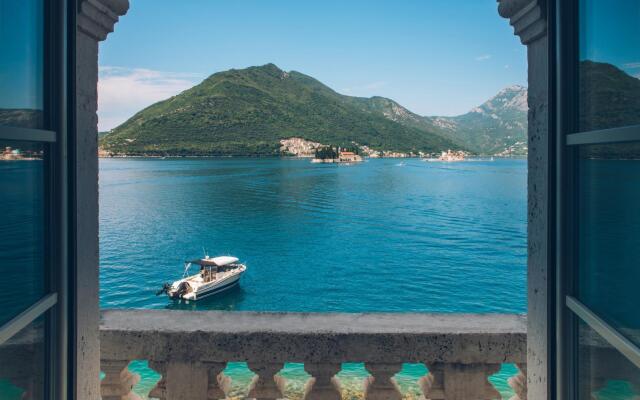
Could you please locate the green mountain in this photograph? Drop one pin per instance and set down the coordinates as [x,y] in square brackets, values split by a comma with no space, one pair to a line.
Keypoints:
[497,125]
[248,112]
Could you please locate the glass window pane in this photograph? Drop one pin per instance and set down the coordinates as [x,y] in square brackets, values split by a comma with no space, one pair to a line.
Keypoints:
[603,372]
[21,227]
[22,363]
[609,234]
[21,63]
[609,64]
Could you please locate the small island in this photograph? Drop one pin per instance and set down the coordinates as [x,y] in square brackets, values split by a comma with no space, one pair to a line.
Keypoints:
[451,156]
[330,154]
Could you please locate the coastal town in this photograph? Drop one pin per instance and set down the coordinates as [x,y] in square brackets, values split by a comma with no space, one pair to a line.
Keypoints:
[321,153]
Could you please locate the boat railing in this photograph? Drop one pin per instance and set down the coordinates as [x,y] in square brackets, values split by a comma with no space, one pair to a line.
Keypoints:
[191,349]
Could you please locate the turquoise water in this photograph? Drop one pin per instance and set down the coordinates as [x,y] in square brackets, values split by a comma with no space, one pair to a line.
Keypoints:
[384,235]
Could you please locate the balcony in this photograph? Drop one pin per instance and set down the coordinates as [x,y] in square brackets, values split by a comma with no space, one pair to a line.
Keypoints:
[190,350]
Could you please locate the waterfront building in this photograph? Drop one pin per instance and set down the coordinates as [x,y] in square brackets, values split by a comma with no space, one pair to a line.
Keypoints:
[579,337]
[452,156]
[349,157]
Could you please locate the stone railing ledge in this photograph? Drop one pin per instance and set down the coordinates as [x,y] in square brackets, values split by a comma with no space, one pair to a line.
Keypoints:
[317,337]
[191,349]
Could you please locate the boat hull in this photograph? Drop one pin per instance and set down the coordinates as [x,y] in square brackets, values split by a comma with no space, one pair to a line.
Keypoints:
[197,290]
[223,287]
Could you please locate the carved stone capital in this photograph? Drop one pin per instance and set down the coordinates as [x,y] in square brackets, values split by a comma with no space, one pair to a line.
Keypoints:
[96,18]
[528,18]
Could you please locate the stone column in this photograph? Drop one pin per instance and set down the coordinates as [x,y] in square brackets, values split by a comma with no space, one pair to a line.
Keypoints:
[528,18]
[96,18]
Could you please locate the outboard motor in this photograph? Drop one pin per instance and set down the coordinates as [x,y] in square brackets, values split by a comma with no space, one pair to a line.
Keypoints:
[183,289]
[165,289]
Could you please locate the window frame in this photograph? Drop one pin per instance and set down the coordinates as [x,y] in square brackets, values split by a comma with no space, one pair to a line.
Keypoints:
[569,140]
[58,110]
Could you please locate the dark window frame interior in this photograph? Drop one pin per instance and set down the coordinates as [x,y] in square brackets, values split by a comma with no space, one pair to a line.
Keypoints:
[57,132]
[564,62]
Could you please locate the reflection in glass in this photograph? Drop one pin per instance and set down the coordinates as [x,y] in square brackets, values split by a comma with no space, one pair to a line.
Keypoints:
[21,63]
[22,363]
[609,64]
[609,234]
[21,227]
[603,372]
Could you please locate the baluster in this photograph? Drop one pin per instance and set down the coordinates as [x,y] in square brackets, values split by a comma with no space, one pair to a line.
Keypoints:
[519,383]
[219,384]
[459,382]
[381,385]
[432,384]
[323,385]
[194,381]
[266,385]
[118,381]
[159,391]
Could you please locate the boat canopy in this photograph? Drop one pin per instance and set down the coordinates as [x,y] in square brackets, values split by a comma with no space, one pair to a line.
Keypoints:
[215,261]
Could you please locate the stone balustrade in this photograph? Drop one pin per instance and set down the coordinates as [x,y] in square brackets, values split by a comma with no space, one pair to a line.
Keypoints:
[190,350]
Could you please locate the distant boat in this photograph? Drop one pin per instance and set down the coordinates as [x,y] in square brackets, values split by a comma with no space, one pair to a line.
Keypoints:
[216,275]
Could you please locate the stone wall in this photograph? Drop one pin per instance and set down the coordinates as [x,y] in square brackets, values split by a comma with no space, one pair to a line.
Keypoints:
[528,18]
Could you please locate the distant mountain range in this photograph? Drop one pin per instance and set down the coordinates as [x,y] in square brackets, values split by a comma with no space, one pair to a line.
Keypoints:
[499,125]
[248,112]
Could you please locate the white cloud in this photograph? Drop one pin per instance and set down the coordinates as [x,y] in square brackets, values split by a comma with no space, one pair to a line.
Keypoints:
[631,65]
[124,91]
[483,57]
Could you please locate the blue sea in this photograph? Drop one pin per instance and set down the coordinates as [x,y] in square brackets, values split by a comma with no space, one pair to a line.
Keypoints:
[392,235]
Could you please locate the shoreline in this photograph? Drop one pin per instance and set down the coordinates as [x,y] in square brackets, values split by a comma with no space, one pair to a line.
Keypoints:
[293,157]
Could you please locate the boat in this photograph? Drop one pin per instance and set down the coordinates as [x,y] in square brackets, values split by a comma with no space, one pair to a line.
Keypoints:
[216,275]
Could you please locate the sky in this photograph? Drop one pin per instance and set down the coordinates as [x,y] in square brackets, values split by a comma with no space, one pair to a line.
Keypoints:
[435,57]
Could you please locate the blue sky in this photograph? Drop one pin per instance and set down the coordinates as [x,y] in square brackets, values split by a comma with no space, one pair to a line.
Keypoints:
[434,57]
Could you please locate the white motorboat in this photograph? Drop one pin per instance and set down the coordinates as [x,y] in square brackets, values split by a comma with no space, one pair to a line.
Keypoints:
[216,275]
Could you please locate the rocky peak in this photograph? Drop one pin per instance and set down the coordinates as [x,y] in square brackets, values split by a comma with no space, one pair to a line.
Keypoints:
[510,98]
